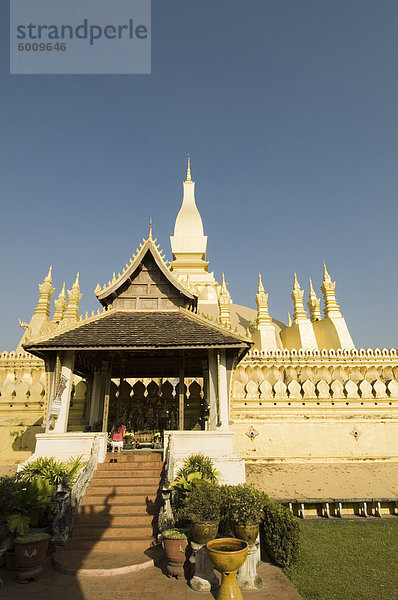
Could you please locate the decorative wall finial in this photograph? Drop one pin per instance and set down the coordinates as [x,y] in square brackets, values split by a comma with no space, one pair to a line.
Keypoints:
[328,286]
[46,291]
[224,302]
[60,306]
[74,296]
[297,297]
[189,178]
[314,305]
[263,317]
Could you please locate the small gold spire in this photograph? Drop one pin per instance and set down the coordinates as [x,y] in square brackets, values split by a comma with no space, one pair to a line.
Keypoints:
[314,305]
[297,297]
[150,229]
[49,274]
[331,308]
[60,305]
[46,291]
[289,319]
[263,317]
[189,178]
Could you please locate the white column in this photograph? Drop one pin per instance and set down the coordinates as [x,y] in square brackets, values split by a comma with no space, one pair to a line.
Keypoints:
[95,409]
[223,392]
[51,392]
[212,389]
[61,424]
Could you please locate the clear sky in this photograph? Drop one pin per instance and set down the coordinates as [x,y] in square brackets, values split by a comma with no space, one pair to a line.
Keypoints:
[289,112]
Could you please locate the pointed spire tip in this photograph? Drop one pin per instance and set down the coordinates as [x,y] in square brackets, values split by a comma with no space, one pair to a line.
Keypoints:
[189,178]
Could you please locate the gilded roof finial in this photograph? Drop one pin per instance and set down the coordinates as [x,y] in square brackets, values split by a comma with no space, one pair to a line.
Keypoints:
[60,305]
[46,291]
[189,169]
[49,278]
[331,308]
[297,297]
[263,317]
[150,229]
[314,305]
[326,276]
[260,284]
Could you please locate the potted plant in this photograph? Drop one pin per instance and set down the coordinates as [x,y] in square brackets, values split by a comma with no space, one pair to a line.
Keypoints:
[175,544]
[17,525]
[243,506]
[202,508]
[196,467]
[30,551]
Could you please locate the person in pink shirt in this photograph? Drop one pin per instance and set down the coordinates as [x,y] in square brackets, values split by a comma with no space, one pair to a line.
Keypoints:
[117,437]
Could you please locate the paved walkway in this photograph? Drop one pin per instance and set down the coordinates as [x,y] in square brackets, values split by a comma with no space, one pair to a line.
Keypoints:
[144,585]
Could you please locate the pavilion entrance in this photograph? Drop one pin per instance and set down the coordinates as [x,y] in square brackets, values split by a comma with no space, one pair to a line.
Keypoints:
[152,405]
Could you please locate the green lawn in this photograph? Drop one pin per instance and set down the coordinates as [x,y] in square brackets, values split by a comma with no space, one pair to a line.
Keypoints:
[347,560]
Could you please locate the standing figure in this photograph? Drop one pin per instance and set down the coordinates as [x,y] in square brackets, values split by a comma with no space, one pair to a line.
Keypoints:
[117,434]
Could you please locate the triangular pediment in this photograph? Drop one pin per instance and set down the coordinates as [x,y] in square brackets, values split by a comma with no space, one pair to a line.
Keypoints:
[146,283]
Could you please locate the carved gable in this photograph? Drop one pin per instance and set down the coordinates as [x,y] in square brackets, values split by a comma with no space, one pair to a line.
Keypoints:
[148,289]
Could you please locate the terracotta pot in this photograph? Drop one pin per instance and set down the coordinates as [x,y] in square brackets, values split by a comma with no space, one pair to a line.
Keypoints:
[228,555]
[176,554]
[204,532]
[29,558]
[11,562]
[248,533]
[3,532]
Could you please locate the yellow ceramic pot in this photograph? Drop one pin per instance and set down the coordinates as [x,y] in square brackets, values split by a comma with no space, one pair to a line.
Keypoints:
[228,555]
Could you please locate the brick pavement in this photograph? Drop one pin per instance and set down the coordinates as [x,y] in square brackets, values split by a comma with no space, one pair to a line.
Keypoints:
[144,585]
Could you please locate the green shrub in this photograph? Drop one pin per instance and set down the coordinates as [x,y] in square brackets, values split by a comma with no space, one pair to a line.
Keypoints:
[52,471]
[196,467]
[9,495]
[199,463]
[280,534]
[243,504]
[175,534]
[202,504]
[32,537]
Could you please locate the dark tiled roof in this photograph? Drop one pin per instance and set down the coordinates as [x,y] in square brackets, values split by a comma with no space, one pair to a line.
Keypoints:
[142,330]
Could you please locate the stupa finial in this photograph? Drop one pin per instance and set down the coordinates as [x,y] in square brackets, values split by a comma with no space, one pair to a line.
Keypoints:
[46,291]
[189,178]
[331,308]
[297,297]
[314,305]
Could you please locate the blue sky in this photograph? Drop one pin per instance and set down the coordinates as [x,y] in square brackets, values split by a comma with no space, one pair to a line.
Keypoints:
[289,112]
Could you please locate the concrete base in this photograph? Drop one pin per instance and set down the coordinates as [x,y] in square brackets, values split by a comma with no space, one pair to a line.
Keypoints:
[217,445]
[204,579]
[247,574]
[66,445]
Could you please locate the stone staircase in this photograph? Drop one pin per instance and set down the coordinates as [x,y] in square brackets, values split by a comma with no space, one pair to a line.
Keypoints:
[120,506]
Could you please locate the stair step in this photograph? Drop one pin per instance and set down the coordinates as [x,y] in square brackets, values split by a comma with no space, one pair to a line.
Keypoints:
[113,520]
[114,482]
[108,466]
[118,508]
[101,533]
[133,458]
[109,545]
[122,490]
[123,470]
[129,499]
